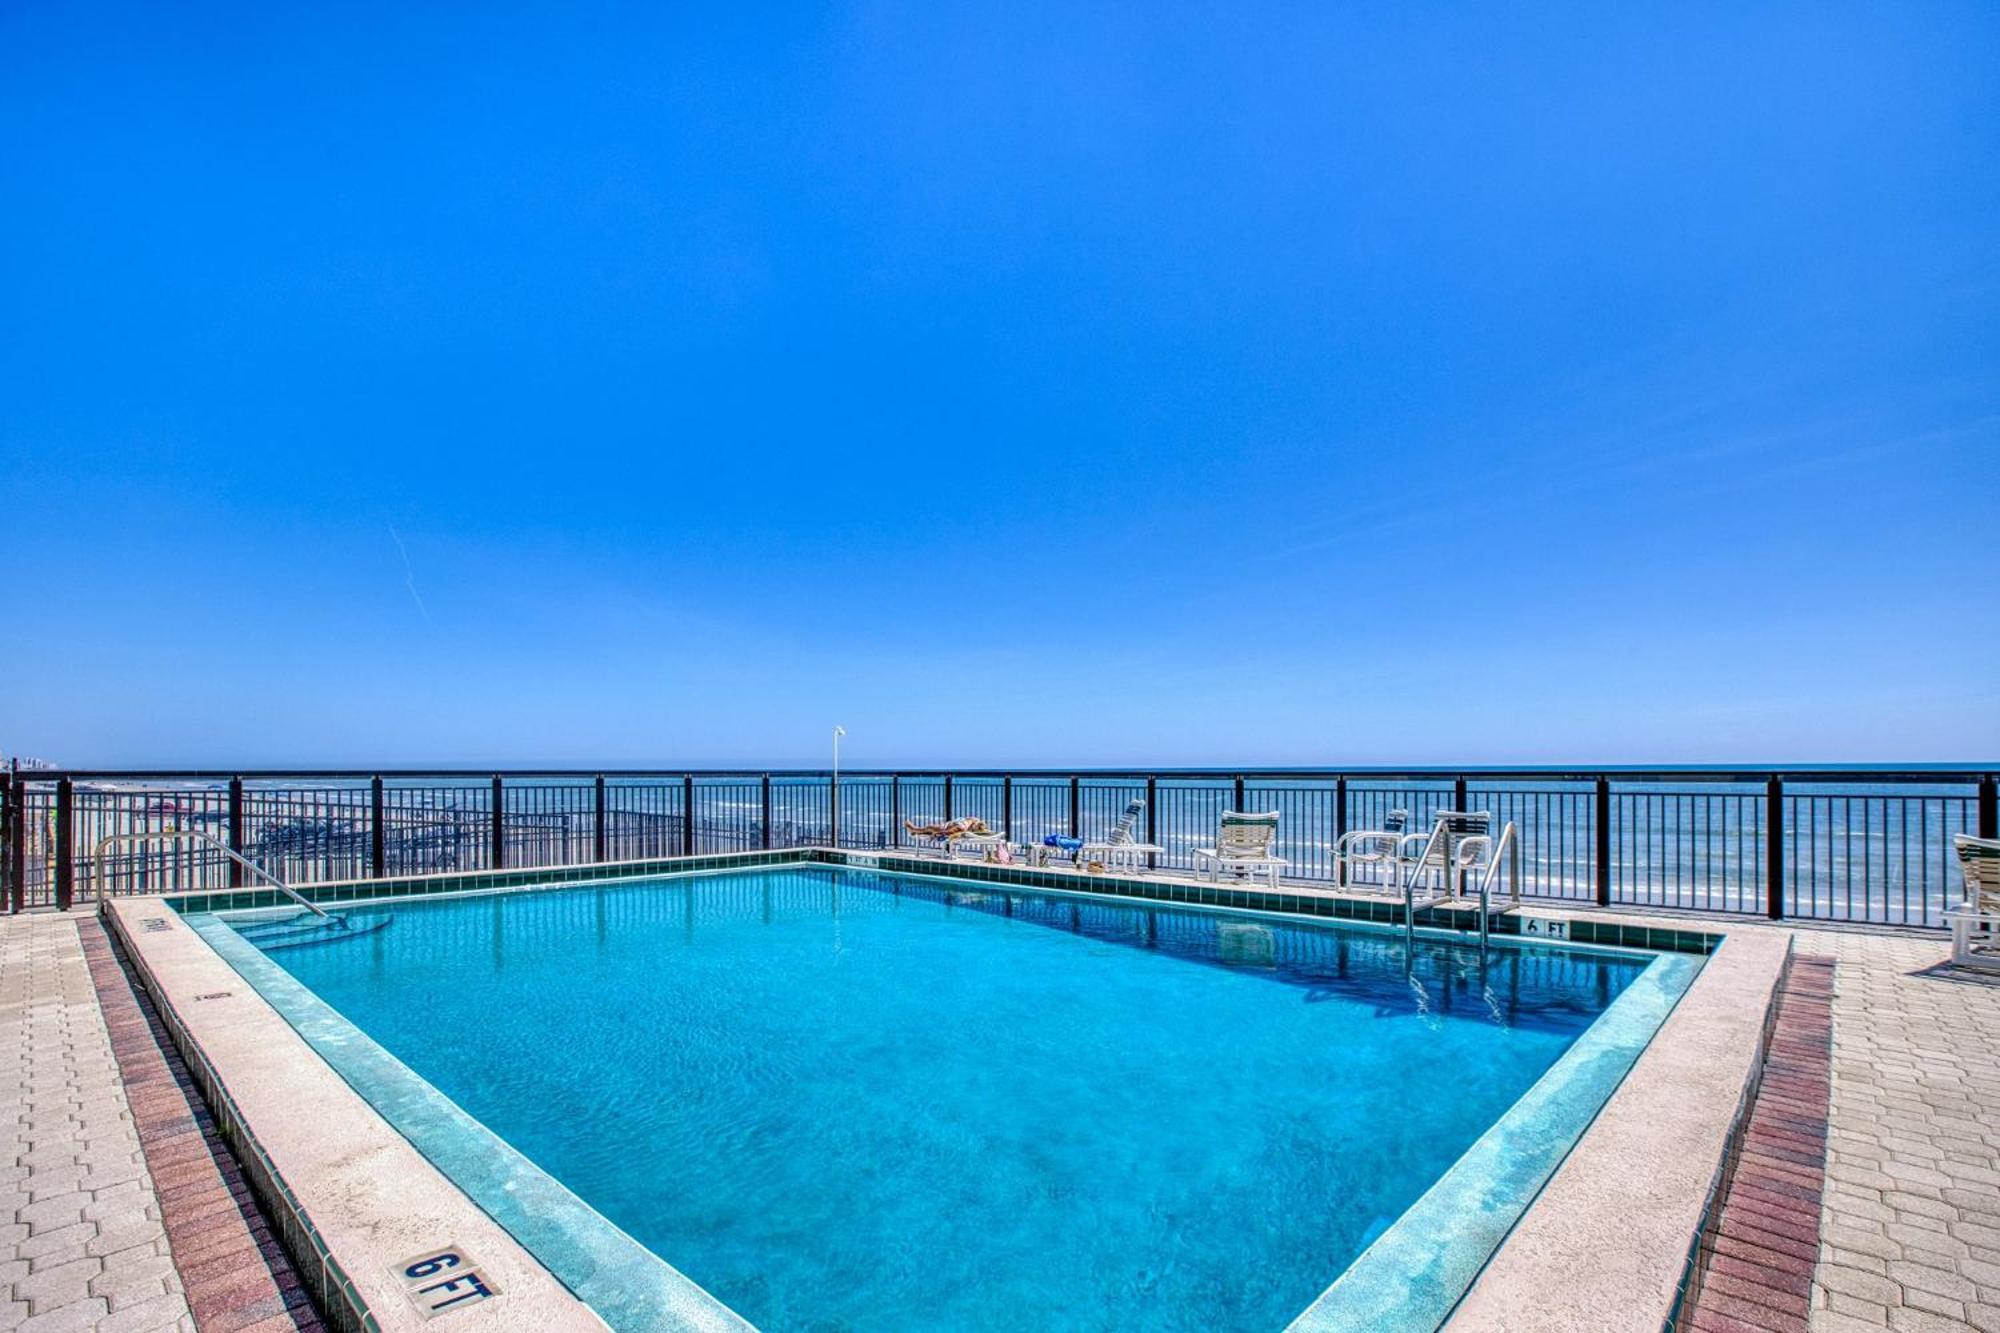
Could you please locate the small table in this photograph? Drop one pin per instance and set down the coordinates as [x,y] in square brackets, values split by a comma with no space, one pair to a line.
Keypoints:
[1127,856]
[1267,866]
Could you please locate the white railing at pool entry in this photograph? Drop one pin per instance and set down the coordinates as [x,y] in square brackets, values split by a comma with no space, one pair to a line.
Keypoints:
[200,839]
[1506,852]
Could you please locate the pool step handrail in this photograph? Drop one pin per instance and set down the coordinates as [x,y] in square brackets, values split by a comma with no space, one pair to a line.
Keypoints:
[209,840]
[1506,852]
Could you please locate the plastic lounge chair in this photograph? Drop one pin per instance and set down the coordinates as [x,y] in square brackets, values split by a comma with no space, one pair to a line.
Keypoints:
[1460,841]
[1380,848]
[1118,850]
[1975,921]
[1243,847]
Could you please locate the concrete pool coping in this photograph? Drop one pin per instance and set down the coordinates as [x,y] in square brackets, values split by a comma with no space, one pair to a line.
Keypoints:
[1608,1243]
[374,1201]
[1579,1227]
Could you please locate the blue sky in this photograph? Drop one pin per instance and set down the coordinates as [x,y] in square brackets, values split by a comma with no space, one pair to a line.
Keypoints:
[1031,384]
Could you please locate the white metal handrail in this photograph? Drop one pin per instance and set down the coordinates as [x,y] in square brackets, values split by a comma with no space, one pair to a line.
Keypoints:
[197,836]
[1506,852]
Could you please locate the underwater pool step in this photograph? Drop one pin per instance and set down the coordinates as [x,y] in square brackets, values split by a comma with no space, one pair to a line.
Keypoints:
[306,929]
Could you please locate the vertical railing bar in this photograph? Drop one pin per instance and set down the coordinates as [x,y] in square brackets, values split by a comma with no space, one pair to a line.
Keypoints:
[15,835]
[687,814]
[600,820]
[236,830]
[1602,850]
[378,830]
[1774,868]
[65,852]
[498,816]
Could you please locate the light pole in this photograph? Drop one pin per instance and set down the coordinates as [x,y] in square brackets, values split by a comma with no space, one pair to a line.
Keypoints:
[833,789]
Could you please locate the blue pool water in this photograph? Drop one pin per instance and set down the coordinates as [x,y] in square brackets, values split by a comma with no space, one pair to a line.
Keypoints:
[844,1100]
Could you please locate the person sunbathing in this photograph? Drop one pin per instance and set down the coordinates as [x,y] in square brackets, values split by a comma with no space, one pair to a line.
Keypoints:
[950,830]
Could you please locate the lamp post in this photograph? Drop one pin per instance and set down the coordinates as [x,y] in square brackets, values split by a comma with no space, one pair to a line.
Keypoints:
[833,789]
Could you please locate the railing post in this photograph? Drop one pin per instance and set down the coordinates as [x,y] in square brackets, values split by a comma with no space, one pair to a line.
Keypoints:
[1774,849]
[1601,858]
[896,809]
[1339,829]
[1239,796]
[378,828]
[833,809]
[1075,807]
[600,840]
[14,835]
[1989,809]
[499,823]
[1458,794]
[1152,816]
[947,797]
[1007,807]
[236,831]
[65,836]
[764,808]
[687,814]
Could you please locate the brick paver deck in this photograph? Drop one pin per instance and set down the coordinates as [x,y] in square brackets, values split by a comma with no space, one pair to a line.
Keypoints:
[82,1245]
[1758,1276]
[1910,1227]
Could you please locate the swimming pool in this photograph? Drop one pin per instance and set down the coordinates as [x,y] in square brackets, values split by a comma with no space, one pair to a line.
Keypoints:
[849,1099]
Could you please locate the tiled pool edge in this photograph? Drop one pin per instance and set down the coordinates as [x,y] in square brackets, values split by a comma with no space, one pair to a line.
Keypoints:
[628,1285]
[333,1294]
[370,1198]
[1416,1271]
[1321,903]
[1606,1246]
[1306,906]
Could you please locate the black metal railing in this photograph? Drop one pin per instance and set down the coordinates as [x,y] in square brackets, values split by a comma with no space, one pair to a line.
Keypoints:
[1829,844]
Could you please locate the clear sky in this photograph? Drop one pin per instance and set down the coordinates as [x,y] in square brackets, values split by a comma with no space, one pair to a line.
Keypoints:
[1020,383]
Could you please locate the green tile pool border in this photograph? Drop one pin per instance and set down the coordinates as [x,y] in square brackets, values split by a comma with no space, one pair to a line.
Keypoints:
[334,1295]
[632,1289]
[1617,934]
[1416,1272]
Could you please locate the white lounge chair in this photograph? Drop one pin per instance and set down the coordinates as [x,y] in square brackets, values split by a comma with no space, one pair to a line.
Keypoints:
[1243,847]
[1374,848]
[1460,842]
[1119,850]
[1975,921]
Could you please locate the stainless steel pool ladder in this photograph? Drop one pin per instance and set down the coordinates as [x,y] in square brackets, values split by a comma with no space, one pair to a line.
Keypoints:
[203,839]
[1506,852]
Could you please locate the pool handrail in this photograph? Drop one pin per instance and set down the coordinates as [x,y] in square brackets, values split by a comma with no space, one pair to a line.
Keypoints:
[197,836]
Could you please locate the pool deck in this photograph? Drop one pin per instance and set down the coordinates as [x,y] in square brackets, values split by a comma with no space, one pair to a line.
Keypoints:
[1907,1238]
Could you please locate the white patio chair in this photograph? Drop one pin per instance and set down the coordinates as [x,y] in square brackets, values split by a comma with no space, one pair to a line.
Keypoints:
[1374,848]
[1119,850]
[1460,842]
[1243,847]
[1975,921]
